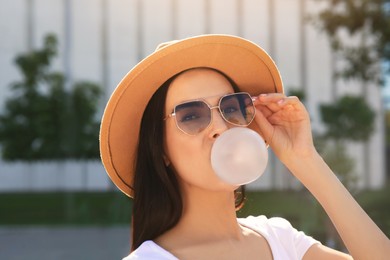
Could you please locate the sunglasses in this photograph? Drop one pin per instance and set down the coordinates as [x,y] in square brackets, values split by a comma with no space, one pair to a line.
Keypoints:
[192,117]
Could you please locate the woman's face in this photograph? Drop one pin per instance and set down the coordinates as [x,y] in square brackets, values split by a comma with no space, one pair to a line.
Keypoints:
[190,155]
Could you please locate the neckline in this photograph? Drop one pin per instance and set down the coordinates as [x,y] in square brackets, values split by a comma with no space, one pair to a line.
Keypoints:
[240,221]
[160,249]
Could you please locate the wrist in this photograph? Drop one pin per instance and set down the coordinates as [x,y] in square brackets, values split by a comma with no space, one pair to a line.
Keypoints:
[296,160]
[305,166]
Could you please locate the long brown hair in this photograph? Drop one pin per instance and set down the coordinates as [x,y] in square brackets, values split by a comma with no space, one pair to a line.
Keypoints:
[158,203]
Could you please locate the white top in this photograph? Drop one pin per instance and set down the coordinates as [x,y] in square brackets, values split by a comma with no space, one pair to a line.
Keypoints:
[285,241]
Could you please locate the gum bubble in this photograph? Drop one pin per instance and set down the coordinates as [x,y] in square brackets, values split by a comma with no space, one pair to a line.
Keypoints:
[239,156]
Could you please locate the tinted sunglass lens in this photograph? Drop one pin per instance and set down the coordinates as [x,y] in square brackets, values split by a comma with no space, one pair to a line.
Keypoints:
[193,117]
[238,109]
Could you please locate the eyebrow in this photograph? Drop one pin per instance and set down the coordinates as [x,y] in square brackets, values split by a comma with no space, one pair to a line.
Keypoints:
[204,98]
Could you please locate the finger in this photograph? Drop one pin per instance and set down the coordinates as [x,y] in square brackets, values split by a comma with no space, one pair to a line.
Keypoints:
[264,125]
[270,100]
[291,101]
[265,110]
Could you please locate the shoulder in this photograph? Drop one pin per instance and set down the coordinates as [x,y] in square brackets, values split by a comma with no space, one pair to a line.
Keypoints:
[275,227]
[276,224]
[281,235]
[149,250]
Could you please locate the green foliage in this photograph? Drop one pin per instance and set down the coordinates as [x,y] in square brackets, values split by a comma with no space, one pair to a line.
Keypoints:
[376,204]
[349,118]
[336,156]
[366,20]
[59,208]
[90,208]
[298,93]
[43,120]
[387,120]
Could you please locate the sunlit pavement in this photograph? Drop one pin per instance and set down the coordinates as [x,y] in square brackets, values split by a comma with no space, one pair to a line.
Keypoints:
[76,243]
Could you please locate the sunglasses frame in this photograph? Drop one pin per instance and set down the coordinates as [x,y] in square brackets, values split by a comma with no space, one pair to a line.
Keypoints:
[173,114]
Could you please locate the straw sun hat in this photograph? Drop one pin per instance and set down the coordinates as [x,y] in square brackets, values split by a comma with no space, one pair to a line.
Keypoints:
[247,64]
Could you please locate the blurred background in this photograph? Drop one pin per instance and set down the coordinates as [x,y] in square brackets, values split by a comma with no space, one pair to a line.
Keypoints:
[61,59]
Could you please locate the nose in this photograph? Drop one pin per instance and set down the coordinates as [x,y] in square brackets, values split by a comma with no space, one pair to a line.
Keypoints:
[218,124]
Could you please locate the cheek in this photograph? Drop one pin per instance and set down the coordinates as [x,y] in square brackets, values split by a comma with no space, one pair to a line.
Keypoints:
[186,153]
[189,155]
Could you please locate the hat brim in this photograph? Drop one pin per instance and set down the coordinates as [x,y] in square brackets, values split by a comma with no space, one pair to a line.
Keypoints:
[248,65]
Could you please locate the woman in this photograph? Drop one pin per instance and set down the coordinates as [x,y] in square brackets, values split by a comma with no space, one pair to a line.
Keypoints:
[156,145]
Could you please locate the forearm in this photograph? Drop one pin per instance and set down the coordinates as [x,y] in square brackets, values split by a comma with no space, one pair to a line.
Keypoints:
[360,234]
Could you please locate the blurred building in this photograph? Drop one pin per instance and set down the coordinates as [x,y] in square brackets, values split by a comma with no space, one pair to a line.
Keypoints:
[100,40]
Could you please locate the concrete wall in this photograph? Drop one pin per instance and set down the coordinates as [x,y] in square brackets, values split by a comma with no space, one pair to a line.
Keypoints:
[101,40]
[54,176]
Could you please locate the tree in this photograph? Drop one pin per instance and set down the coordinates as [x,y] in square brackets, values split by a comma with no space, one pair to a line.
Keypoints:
[368,22]
[43,120]
[349,118]
[387,127]
[367,49]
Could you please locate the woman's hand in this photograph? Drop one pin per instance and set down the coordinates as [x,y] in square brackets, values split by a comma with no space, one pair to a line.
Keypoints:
[285,125]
